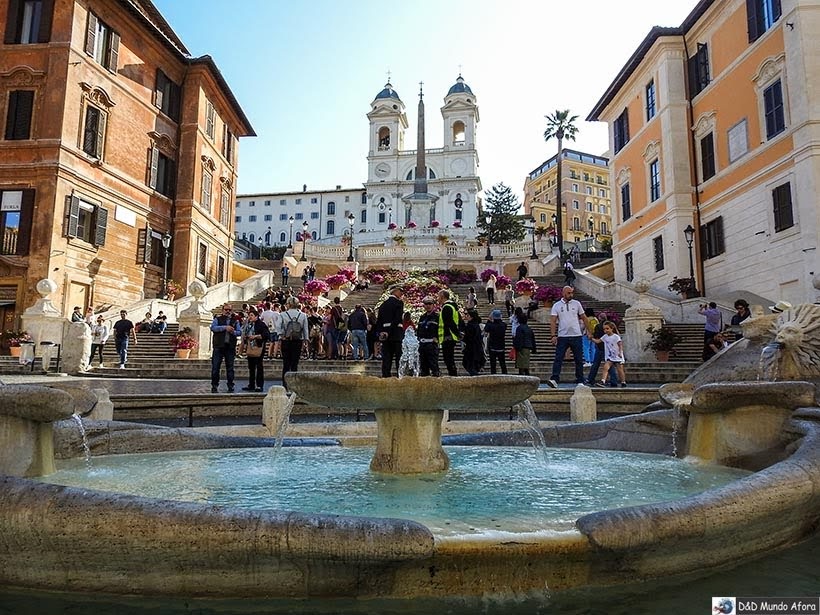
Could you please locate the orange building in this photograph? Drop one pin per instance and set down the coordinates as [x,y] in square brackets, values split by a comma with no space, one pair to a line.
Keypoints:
[114,137]
[586,217]
[713,124]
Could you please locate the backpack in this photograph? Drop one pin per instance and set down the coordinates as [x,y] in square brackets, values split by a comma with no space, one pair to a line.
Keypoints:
[293,328]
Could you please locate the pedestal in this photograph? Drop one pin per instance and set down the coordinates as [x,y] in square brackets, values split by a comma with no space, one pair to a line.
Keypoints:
[637,320]
[409,442]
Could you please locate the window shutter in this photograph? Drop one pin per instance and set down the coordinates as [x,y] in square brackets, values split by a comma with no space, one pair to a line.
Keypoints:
[777,11]
[100,140]
[46,15]
[144,245]
[18,120]
[159,92]
[174,103]
[11,114]
[100,225]
[26,218]
[751,20]
[113,53]
[12,22]
[719,244]
[73,206]
[153,166]
[91,34]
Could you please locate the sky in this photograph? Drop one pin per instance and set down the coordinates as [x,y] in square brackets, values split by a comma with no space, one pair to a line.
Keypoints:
[305,74]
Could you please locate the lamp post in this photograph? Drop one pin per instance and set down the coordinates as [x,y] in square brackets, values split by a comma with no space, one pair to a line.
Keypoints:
[689,235]
[350,220]
[389,216]
[554,231]
[261,240]
[166,243]
[534,255]
[290,237]
[304,239]
[488,219]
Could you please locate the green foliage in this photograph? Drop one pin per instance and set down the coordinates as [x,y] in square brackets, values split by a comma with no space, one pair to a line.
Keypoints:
[662,339]
[502,205]
[561,125]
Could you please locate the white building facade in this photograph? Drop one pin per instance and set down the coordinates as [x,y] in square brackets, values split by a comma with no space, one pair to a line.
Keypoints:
[277,218]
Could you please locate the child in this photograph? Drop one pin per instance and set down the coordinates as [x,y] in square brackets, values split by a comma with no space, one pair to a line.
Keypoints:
[589,345]
[409,361]
[613,352]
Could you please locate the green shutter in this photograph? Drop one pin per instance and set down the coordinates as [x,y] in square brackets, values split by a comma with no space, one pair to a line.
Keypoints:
[100,225]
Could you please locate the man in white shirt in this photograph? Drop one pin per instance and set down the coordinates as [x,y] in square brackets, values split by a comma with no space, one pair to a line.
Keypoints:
[565,332]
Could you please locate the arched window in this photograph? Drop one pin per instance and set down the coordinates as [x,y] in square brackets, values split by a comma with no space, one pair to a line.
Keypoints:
[459,214]
[604,229]
[458,131]
[411,174]
[576,224]
[544,218]
[251,237]
[384,138]
[282,237]
[313,234]
[331,228]
[267,238]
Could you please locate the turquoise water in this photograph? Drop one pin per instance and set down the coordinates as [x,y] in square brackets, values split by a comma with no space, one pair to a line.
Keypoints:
[486,490]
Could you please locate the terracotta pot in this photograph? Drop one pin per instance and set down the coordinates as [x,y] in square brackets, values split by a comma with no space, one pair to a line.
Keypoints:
[15,351]
[183,353]
[662,355]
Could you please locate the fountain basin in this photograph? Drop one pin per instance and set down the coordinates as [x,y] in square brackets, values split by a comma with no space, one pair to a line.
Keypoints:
[409,412]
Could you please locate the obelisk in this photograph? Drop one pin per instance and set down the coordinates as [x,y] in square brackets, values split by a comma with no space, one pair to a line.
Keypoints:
[420,206]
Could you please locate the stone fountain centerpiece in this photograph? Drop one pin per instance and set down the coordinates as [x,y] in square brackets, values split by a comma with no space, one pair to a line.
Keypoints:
[409,411]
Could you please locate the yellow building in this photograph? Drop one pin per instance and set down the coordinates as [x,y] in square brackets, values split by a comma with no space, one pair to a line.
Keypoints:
[714,124]
[587,213]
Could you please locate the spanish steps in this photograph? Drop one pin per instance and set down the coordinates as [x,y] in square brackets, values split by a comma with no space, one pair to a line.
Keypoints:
[153,356]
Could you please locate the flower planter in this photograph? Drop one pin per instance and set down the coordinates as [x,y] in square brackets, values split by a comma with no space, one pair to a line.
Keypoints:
[662,355]
[15,351]
[183,353]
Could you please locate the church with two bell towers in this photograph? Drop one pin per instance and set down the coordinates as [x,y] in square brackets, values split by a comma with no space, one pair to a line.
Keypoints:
[423,185]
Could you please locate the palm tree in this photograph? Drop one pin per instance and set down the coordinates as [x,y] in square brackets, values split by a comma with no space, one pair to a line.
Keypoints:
[561,126]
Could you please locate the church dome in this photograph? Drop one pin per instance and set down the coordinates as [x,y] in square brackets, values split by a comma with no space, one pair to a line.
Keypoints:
[388,92]
[460,87]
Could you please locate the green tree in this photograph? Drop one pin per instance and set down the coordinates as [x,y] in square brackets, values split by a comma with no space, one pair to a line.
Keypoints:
[503,208]
[560,125]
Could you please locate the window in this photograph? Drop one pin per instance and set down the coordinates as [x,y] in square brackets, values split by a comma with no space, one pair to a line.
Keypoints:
[654,180]
[626,203]
[18,115]
[251,218]
[86,221]
[237,219]
[588,189]
[282,237]
[298,216]
[331,208]
[604,228]
[707,157]
[575,188]
[29,21]
[630,268]
[782,204]
[586,177]
[650,100]
[331,227]
[94,131]
[699,70]
[313,200]
[657,252]
[252,238]
[102,43]
[364,198]
[227,144]
[576,224]
[163,173]
[711,238]
[576,204]
[589,206]
[205,195]
[16,211]
[363,217]
[268,218]
[202,260]
[458,131]
[167,96]
[225,207]
[210,118]
[602,193]
[774,110]
[283,217]
[620,131]
[760,16]
[298,201]
[544,218]
[251,203]
[267,203]
[283,201]
[382,217]
[314,215]
[220,268]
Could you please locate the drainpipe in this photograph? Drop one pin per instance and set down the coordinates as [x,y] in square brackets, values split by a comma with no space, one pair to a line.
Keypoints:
[693,169]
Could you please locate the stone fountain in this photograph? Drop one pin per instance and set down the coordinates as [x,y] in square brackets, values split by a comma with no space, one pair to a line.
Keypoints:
[142,546]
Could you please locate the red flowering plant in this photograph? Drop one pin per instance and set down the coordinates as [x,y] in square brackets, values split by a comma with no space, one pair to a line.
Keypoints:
[13,339]
[457,224]
[308,300]
[316,287]
[612,316]
[547,293]
[411,224]
[336,280]
[348,273]
[485,275]
[527,285]
[435,223]
[391,226]
[503,281]
[183,339]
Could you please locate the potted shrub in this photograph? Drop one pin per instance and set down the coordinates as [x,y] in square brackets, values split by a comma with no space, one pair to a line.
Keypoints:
[183,342]
[316,287]
[663,341]
[526,287]
[411,224]
[457,224]
[435,224]
[547,294]
[173,289]
[684,287]
[336,281]
[13,340]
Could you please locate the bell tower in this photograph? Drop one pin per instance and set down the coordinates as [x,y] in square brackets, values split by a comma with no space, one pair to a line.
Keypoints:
[460,114]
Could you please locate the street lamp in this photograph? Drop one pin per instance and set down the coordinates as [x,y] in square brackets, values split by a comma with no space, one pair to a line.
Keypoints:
[305,226]
[389,216]
[689,235]
[290,237]
[260,247]
[488,218]
[166,243]
[554,231]
[534,255]
[350,220]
